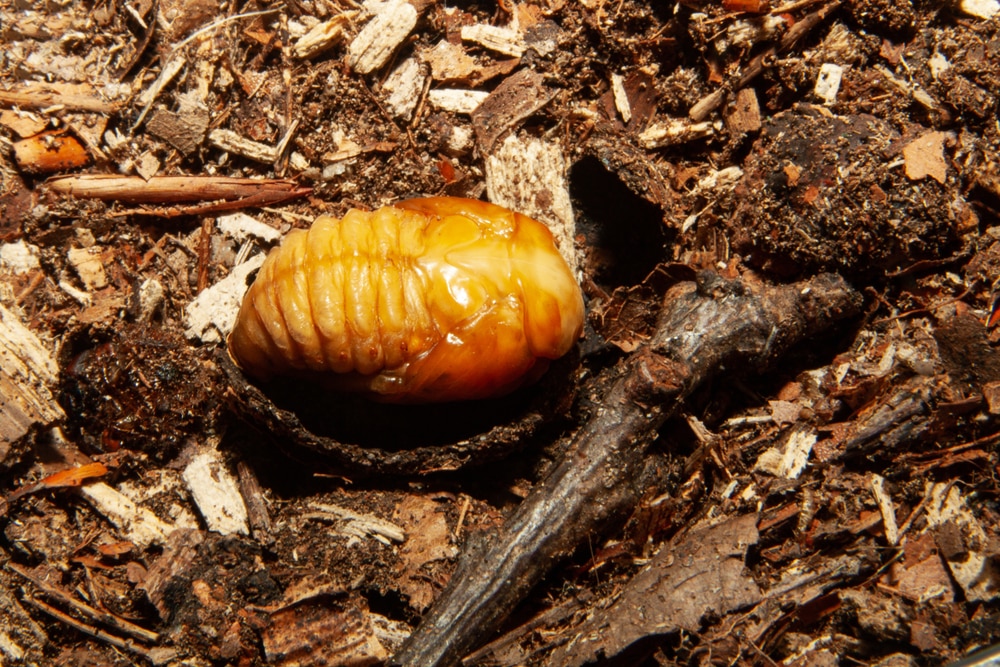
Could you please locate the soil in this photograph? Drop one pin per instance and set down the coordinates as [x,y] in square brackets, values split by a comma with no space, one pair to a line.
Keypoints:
[839,506]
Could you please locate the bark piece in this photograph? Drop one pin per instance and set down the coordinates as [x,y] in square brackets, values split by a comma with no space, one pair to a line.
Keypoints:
[703,574]
[216,493]
[516,98]
[348,637]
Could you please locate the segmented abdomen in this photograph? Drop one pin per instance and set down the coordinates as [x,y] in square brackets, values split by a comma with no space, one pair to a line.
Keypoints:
[431,299]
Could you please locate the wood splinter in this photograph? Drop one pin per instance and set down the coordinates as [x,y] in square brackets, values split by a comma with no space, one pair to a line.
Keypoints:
[223,193]
[704,328]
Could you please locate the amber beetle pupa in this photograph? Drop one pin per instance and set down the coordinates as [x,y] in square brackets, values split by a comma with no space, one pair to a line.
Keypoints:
[435,299]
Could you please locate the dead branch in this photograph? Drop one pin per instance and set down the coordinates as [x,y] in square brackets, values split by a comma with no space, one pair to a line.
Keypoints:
[705,327]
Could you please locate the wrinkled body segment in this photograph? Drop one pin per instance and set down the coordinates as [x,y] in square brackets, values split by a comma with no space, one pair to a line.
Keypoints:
[435,299]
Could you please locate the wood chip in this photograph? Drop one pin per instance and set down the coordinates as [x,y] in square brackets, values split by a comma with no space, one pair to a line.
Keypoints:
[377,41]
[211,315]
[507,41]
[621,97]
[405,86]
[89,266]
[216,494]
[457,100]
[321,37]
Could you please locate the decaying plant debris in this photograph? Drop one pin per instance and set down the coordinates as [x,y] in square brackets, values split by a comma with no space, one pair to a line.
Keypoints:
[830,167]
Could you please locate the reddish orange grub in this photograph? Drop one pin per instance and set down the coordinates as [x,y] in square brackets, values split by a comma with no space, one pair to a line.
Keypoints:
[436,299]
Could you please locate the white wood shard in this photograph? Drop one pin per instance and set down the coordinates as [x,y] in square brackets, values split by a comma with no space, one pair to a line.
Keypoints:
[457,100]
[981,9]
[886,508]
[375,44]
[621,97]
[789,459]
[216,494]
[404,87]
[528,175]
[363,525]
[508,41]
[232,142]
[239,226]
[137,524]
[210,317]
[828,82]
[674,131]
[321,37]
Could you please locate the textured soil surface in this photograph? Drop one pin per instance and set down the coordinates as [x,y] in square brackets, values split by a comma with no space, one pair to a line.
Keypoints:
[833,501]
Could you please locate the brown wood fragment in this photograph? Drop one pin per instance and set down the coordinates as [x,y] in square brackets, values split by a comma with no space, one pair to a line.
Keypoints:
[744,116]
[516,98]
[322,632]
[257,513]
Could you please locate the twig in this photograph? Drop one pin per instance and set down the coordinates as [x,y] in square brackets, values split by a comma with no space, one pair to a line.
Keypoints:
[704,328]
[85,609]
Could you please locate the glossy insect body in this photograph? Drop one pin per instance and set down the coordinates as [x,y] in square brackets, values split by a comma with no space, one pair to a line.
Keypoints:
[434,299]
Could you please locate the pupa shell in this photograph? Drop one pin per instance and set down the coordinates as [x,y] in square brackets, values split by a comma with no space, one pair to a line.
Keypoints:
[435,299]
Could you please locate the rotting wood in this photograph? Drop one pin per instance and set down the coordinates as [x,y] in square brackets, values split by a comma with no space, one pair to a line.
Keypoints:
[27,375]
[704,327]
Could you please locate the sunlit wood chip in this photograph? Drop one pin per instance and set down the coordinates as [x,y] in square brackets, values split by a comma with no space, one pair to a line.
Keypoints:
[404,87]
[457,100]
[321,37]
[87,262]
[377,41]
[228,140]
[621,97]
[211,315]
[529,175]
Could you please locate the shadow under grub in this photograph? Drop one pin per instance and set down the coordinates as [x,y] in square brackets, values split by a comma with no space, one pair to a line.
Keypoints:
[625,234]
[392,427]
[352,434]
